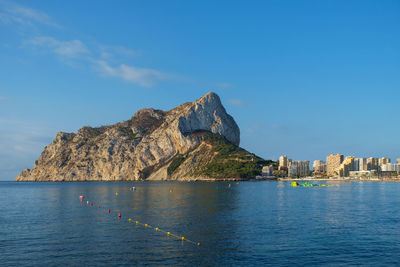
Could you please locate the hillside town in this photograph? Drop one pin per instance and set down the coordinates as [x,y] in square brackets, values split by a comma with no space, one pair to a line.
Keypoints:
[336,166]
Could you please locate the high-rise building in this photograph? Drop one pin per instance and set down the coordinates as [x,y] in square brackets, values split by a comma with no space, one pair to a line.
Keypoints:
[298,168]
[319,166]
[360,164]
[332,163]
[383,161]
[372,164]
[346,166]
[283,161]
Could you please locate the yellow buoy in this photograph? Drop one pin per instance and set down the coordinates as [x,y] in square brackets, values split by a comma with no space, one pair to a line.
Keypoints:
[198,244]
[183,238]
[146,225]
[170,190]
[116,193]
[168,233]
[156,228]
[130,219]
[137,222]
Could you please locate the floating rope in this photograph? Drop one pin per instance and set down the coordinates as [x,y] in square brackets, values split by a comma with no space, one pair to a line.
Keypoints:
[165,232]
[130,220]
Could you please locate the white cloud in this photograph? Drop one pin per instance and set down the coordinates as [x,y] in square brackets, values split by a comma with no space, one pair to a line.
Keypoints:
[71,49]
[76,49]
[143,76]
[235,102]
[14,13]
[107,60]
[109,52]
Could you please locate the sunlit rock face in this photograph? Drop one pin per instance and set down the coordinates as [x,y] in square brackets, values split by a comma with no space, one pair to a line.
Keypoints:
[135,149]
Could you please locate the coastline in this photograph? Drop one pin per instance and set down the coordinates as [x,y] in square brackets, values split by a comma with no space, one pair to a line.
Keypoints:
[285,179]
[340,179]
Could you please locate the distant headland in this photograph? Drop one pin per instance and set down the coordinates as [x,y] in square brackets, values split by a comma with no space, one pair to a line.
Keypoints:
[194,141]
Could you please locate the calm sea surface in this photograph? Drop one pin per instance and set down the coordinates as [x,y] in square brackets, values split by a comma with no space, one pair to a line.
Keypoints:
[250,223]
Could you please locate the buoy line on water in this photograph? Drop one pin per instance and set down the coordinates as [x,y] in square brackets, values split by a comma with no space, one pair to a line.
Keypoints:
[136,222]
[166,232]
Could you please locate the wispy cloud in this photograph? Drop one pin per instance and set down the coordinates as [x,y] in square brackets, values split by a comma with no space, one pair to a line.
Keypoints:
[14,13]
[71,49]
[18,136]
[20,144]
[107,60]
[111,52]
[142,76]
[77,50]
[236,102]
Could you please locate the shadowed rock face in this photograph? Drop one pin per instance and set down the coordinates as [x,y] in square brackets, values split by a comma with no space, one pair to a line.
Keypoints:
[134,149]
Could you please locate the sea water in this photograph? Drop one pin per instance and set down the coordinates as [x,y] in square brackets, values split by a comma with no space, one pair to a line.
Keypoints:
[249,223]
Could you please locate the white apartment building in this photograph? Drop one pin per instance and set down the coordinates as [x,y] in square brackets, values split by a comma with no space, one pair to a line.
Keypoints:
[298,168]
[319,166]
[390,167]
[283,161]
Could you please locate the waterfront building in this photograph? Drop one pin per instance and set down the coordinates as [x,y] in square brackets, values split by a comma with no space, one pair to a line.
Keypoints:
[372,164]
[283,162]
[346,166]
[332,163]
[383,161]
[398,161]
[360,164]
[267,171]
[361,174]
[319,166]
[298,168]
[390,167]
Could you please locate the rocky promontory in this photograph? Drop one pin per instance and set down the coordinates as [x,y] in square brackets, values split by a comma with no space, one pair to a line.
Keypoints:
[194,141]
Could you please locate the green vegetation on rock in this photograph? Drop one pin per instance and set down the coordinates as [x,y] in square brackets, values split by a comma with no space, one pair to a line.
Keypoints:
[175,163]
[230,161]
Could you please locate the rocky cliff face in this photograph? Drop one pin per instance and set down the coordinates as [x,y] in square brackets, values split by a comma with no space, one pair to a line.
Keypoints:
[140,148]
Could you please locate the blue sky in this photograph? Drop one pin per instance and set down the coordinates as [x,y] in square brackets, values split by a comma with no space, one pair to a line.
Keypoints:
[302,78]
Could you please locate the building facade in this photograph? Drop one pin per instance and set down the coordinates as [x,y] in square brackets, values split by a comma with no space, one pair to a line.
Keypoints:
[267,171]
[361,174]
[346,166]
[390,167]
[360,164]
[372,164]
[332,163]
[383,161]
[319,166]
[283,162]
[298,168]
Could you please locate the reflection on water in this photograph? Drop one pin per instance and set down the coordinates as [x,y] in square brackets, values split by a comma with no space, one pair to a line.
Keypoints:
[255,223]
